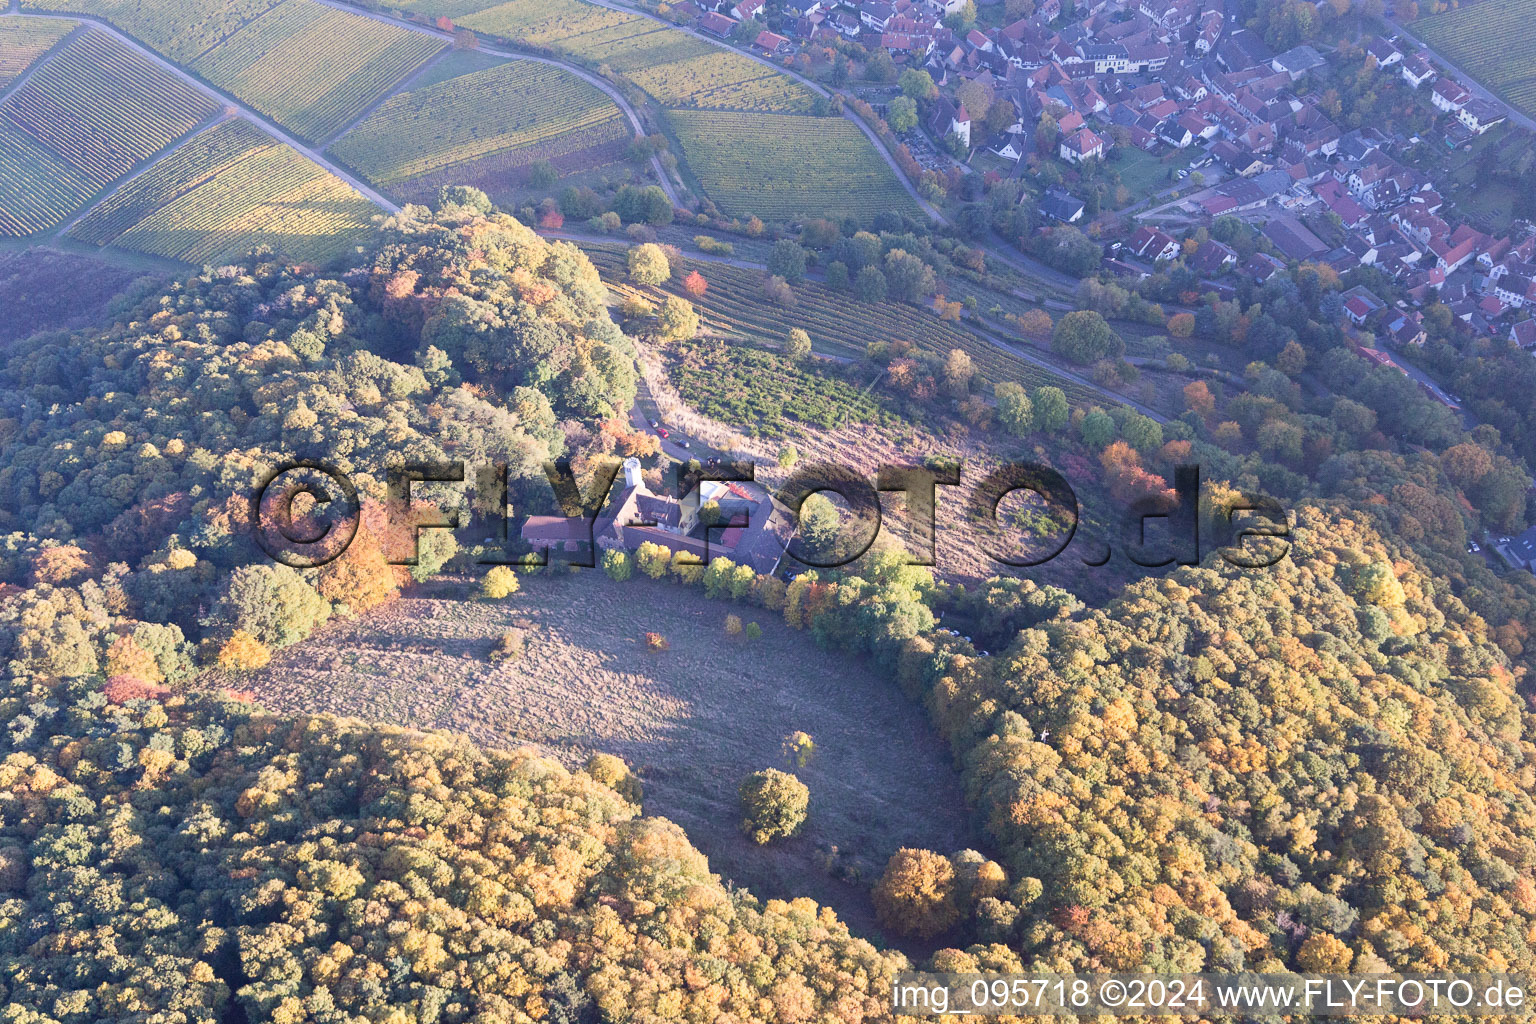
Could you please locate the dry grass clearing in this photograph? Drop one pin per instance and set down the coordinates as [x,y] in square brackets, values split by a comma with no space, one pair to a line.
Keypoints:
[693,720]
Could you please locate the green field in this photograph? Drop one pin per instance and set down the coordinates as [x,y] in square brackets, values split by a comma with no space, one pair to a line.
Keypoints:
[516,112]
[314,69]
[1494,41]
[179,29]
[226,191]
[781,166]
[23,40]
[85,119]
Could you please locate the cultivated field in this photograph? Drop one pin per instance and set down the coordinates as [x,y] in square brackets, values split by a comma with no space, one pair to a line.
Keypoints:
[23,40]
[37,188]
[782,166]
[518,112]
[80,122]
[314,69]
[179,29]
[1494,41]
[228,190]
[760,390]
[674,68]
[694,720]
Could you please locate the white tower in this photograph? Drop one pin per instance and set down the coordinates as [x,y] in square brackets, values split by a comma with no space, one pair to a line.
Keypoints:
[632,473]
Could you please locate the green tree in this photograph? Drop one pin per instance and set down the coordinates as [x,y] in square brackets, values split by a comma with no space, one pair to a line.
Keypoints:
[643,205]
[1051,409]
[901,114]
[870,285]
[773,804]
[787,259]
[917,84]
[1014,409]
[272,603]
[1084,337]
[908,278]
[1097,428]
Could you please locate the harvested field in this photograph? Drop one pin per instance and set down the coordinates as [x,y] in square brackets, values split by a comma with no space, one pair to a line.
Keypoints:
[694,720]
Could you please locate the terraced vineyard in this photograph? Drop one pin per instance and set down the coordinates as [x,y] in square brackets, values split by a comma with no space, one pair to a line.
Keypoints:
[314,69]
[225,192]
[83,120]
[1494,41]
[461,123]
[23,40]
[839,325]
[781,166]
[179,29]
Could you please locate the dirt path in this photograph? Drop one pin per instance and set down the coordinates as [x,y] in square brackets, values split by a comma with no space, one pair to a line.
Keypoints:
[579,72]
[229,101]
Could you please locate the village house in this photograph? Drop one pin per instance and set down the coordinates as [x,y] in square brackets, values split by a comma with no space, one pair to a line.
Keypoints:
[1417,70]
[1153,244]
[1481,115]
[1081,145]
[1449,95]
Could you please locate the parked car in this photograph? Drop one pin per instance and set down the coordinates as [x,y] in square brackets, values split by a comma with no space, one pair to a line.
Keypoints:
[662,432]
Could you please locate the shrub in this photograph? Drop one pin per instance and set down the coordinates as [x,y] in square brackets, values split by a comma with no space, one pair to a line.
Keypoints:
[619,565]
[799,748]
[242,652]
[512,645]
[798,344]
[733,625]
[754,631]
[774,805]
[498,583]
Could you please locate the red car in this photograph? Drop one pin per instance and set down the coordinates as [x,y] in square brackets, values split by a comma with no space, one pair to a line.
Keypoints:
[662,432]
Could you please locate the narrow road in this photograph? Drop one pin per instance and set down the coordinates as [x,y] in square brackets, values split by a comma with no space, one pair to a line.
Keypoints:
[1478,88]
[229,101]
[581,73]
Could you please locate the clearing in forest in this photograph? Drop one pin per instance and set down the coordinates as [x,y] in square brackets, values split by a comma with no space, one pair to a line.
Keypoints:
[694,720]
